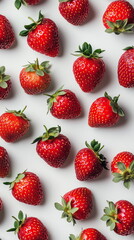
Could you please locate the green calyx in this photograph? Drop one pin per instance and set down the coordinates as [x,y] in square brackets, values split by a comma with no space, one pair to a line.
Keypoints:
[128,48]
[18,3]
[114,104]
[110,216]
[64,1]
[32,26]
[3,78]
[67,210]
[73,237]
[40,69]
[18,222]
[49,134]
[120,26]
[19,177]
[87,52]
[19,113]
[126,174]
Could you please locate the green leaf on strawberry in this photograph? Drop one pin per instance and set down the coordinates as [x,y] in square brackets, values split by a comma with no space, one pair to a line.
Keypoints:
[3,78]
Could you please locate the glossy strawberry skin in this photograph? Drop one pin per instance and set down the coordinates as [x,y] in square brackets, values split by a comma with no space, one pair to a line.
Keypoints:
[4,162]
[4,92]
[7,36]
[124,157]
[91,234]
[32,2]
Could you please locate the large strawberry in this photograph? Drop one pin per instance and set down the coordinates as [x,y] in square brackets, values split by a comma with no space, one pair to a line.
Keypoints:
[105,112]
[122,168]
[5,83]
[126,68]
[88,234]
[27,188]
[88,69]
[35,78]
[7,36]
[29,228]
[119,17]
[76,204]
[43,36]
[63,104]
[120,217]
[13,125]
[18,3]
[4,162]
[53,147]
[74,11]
[89,163]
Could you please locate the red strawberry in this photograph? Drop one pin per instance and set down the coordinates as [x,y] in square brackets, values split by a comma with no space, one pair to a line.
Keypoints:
[7,36]
[104,112]
[76,204]
[53,147]
[13,125]
[63,104]
[120,217]
[1,204]
[119,17]
[18,3]
[43,36]
[74,11]
[35,78]
[88,69]
[122,168]
[88,234]
[4,162]
[89,163]
[126,68]
[5,83]
[27,188]
[29,228]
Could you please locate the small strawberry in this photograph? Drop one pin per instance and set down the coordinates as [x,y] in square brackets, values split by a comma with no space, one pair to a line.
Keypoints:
[105,112]
[63,104]
[18,3]
[119,17]
[43,36]
[4,162]
[27,188]
[89,163]
[76,204]
[126,68]
[88,234]
[29,228]
[53,147]
[120,217]
[35,78]
[74,11]
[5,83]
[7,36]
[88,69]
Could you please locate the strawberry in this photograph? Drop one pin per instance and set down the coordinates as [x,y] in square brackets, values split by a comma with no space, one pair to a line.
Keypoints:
[88,234]
[7,36]
[119,17]
[5,83]
[122,168]
[29,228]
[27,188]
[13,125]
[74,11]
[105,112]
[89,163]
[1,204]
[43,36]
[126,68]
[88,69]
[120,217]
[18,3]
[63,104]
[4,162]
[53,147]
[76,204]
[35,78]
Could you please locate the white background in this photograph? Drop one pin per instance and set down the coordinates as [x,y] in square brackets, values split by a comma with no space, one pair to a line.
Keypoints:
[23,155]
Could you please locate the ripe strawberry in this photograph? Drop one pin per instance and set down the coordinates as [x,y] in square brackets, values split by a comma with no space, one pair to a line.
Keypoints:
[1,204]
[126,68]
[13,125]
[122,168]
[7,36]
[88,69]
[76,204]
[5,83]
[88,234]
[119,17]
[89,163]
[120,217]
[27,188]
[18,3]
[4,162]
[29,228]
[35,78]
[63,104]
[105,112]
[53,147]
[74,11]
[43,36]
